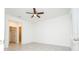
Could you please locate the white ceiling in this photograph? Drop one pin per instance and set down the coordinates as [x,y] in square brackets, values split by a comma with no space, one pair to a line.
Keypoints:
[48,12]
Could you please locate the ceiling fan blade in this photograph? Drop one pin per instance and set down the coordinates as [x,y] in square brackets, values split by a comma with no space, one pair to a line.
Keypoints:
[32,16]
[38,16]
[40,13]
[29,13]
[34,10]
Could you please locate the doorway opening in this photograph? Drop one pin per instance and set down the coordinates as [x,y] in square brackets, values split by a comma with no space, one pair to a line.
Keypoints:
[15,35]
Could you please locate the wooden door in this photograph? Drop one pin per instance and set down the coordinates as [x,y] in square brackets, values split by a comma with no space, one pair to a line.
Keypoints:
[20,36]
[12,36]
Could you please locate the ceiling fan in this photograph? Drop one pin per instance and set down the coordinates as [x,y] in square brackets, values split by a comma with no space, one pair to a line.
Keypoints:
[35,13]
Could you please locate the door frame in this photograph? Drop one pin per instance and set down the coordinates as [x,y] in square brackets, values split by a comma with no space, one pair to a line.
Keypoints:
[18,24]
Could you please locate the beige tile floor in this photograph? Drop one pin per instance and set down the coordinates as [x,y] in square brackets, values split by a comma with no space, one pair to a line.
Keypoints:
[38,47]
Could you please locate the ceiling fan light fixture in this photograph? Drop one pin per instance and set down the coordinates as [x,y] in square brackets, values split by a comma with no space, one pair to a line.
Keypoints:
[35,15]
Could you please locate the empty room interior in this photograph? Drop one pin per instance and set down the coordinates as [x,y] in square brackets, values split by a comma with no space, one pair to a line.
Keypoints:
[41,29]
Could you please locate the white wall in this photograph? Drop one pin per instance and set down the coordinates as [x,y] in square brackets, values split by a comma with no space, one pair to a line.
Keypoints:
[57,31]
[75,19]
[26,29]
